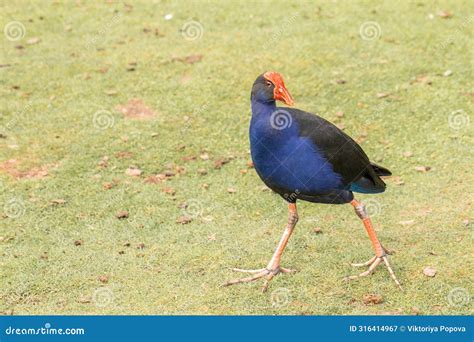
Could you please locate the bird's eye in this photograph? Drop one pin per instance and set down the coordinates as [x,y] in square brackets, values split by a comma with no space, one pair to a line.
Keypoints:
[268,83]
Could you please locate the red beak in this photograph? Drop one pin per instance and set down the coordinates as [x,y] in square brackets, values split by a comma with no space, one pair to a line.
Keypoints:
[280,93]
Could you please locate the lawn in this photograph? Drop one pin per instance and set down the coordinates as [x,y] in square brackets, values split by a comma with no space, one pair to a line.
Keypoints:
[124,155]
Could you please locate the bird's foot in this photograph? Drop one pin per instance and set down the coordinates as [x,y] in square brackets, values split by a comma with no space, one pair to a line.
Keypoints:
[267,273]
[373,263]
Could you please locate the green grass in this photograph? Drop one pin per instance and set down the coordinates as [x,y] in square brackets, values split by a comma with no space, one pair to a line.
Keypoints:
[180,268]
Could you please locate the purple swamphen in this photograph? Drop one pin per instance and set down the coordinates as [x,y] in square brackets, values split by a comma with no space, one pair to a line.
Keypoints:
[300,155]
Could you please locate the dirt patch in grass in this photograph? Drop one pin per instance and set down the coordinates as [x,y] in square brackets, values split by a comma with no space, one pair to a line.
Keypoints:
[12,167]
[136,109]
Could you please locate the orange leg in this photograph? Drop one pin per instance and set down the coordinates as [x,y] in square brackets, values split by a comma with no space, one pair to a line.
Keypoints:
[273,267]
[380,252]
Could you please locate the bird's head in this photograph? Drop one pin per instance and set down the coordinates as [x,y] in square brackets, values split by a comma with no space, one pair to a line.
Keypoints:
[269,87]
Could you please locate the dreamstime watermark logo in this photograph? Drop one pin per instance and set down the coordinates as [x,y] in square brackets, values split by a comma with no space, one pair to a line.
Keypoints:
[192,208]
[458,119]
[192,30]
[459,30]
[103,119]
[100,35]
[293,196]
[14,31]
[41,331]
[281,28]
[459,296]
[281,119]
[380,108]
[202,109]
[370,30]
[280,297]
[102,297]
[14,208]
[19,116]
[197,113]
[372,207]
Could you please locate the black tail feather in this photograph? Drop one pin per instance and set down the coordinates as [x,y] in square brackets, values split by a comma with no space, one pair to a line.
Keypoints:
[380,170]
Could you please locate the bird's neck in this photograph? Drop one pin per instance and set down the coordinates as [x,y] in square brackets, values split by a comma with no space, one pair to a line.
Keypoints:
[263,108]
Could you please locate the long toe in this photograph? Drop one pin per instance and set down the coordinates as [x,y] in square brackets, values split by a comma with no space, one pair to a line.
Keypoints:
[373,263]
[367,263]
[266,273]
[247,279]
[287,270]
[248,271]
[368,272]
[392,274]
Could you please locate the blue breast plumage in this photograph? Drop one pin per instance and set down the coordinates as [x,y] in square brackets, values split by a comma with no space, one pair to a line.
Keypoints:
[286,160]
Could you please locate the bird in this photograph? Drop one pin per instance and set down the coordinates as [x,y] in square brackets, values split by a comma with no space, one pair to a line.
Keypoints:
[302,156]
